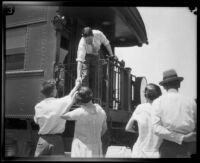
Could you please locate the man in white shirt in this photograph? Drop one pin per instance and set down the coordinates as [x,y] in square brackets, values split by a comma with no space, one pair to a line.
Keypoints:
[47,116]
[174,119]
[88,56]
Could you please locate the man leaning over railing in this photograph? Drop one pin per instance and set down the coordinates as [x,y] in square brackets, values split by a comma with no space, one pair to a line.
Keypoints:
[88,55]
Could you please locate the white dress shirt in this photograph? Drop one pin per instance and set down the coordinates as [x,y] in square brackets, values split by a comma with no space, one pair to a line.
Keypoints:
[83,48]
[174,116]
[47,115]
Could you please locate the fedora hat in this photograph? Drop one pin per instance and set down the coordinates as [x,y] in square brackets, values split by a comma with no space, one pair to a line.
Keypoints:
[170,76]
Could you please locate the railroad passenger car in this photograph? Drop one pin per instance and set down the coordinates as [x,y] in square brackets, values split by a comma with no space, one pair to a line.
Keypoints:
[41,43]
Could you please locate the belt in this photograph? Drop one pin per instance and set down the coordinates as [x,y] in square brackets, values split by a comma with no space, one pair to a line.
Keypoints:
[50,134]
[91,54]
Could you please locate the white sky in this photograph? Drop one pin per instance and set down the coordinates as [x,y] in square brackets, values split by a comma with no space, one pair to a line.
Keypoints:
[172,36]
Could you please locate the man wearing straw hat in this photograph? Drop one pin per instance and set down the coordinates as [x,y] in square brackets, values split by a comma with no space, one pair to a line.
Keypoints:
[174,119]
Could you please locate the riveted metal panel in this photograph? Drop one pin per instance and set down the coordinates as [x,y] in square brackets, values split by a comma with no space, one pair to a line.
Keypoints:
[41,45]
[36,48]
[22,92]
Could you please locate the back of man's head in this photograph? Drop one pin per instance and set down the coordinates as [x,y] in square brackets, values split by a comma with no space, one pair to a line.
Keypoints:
[48,87]
[172,85]
[84,95]
[152,91]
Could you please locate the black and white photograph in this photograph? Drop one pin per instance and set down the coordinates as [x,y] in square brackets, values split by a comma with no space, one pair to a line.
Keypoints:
[103,83]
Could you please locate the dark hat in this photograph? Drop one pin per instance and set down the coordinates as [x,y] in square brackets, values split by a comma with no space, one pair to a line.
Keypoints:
[170,76]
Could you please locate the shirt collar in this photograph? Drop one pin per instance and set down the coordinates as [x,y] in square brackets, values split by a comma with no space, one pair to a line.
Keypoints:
[172,90]
[49,98]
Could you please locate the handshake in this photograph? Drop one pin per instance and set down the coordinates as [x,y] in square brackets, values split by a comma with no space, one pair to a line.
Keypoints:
[78,82]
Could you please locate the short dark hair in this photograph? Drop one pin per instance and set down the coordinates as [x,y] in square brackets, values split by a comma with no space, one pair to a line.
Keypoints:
[48,87]
[152,91]
[84,95]
[172,84]
[87,31]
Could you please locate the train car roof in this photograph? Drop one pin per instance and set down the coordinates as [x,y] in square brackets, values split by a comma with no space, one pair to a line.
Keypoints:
[122,25]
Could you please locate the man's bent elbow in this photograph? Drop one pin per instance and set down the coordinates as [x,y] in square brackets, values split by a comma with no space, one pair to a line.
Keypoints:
[156,130]
[64,117]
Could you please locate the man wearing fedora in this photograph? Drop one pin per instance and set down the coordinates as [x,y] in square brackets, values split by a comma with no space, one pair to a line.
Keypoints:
[174,119]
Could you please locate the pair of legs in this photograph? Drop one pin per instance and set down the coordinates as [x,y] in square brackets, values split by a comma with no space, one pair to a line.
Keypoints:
[170,149]
[90,72]
[49,145]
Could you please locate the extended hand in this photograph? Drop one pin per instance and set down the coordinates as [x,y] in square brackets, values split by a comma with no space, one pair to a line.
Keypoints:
[115,57]
[78,82]
[74,97]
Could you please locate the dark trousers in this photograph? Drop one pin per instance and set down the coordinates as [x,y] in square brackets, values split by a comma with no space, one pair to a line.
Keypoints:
[90,72]
[170,149]
[49,145]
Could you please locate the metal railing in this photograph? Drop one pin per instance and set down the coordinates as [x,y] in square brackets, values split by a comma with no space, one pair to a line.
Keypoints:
[113,86]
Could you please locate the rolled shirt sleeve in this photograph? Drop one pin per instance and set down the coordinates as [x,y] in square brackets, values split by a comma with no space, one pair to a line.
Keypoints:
[81,52]
[35,118]
[160,130]
[104,125]
[104,120]
[103,39]
[74,115]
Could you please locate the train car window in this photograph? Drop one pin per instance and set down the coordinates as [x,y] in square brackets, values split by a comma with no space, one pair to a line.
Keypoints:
[15,48]
[15,37]
[15,62]
[12,123]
